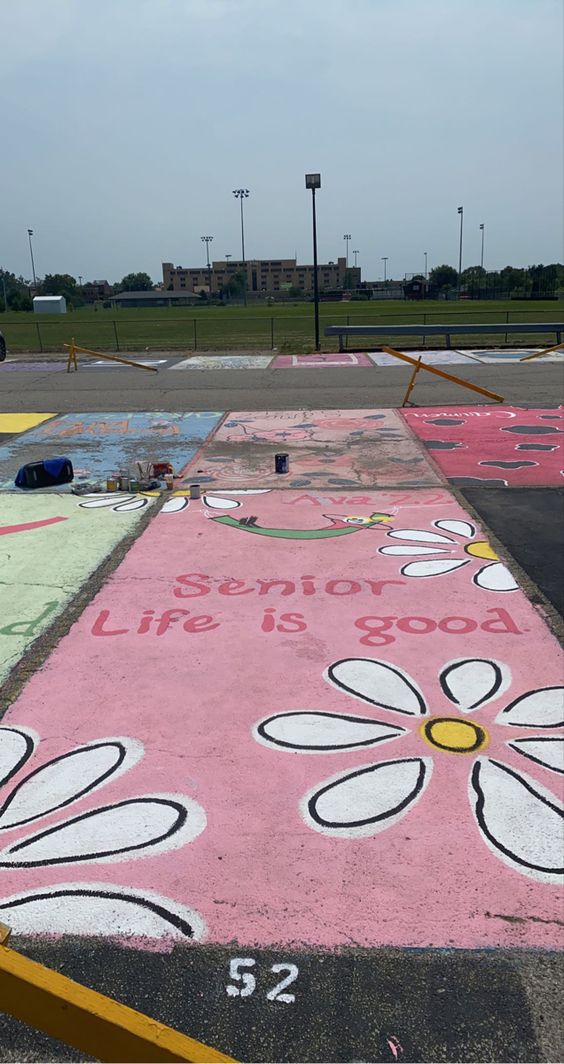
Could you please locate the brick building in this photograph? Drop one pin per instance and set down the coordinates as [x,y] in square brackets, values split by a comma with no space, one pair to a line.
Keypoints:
[92,291]
[264,276]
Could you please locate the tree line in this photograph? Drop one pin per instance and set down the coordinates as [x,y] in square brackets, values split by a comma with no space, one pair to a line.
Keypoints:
[18,291]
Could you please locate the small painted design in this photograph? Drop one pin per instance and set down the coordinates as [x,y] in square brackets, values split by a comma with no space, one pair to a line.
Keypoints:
[420,543]
[518,818]
[339,526]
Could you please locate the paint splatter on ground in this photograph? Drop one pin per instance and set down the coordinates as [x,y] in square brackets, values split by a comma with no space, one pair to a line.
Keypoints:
[326,448]
[338,725]
[502,445]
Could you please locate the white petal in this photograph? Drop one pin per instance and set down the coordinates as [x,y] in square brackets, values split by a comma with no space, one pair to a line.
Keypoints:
[418,552]
[520,820]
[458,528]
[495,577]
[469,682]
[545,750]
[314,732]
[135,504]
[96,500]
[368,800]
[67,778]
[136,827]
[243,491]
[419,535]
[432,568]
[16,746]
[378,683]
[100,909]
[218,503]
[543,708]
[173,506]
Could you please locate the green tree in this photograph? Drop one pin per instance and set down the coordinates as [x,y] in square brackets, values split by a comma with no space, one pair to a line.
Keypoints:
[60,284]
[442,276]
[134,282]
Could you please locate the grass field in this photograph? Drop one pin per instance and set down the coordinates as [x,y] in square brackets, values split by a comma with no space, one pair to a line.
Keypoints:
[286,327]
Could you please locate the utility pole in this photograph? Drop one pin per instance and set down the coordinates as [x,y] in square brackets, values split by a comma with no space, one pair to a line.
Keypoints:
[482,228]
[30,234]
[425,254]
[384,260]
[241,194]
[313,181]
[461,213]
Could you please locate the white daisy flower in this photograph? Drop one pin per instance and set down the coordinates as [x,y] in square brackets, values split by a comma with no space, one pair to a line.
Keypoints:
[214,500]
[491,577]
[517,817]
[121,830]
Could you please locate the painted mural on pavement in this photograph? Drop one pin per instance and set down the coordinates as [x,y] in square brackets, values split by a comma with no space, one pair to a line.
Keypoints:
[328,449]
[432,358]
[101,444]
[275,741]
[224,362]
[49,545]
[503,445]
[321,358]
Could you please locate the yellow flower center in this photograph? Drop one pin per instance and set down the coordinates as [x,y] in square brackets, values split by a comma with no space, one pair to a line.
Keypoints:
[454,735]
[481,549]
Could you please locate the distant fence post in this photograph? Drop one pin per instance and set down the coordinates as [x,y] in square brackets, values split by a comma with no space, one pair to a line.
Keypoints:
[116,335]
[272,334]
[195,334]
[506,322]
[39,337]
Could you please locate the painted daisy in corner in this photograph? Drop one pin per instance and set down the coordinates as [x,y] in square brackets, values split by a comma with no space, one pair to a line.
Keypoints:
[460,539]
[119,830]
[516,815]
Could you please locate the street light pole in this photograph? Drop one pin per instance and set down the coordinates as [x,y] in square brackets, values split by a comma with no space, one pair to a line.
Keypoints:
[30,234]
[207,240]
[241,194]
[482,227]
[461,213]
[355,253]
[313,181]
[425,254]
[384,260]
[346,238]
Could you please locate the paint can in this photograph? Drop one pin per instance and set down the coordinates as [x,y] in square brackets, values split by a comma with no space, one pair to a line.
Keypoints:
[134,485]
[111,484]
[281,463]
[169,481]
[123,482]
[195,491]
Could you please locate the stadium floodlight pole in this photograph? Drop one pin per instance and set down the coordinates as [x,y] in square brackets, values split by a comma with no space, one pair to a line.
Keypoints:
[384,260]
[80,279]
[425,254]
[355,253]
[313,181]
[482,228]
[241,194]
[461,213]
[30,234]
[207,240]
[346,238]
[227,257]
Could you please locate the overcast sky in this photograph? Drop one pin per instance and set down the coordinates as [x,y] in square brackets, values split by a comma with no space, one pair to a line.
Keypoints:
[127,123]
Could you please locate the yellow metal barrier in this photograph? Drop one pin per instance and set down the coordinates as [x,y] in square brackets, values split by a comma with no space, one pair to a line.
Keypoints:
[89,1021]
[537,354]
[73,349]
[419,365]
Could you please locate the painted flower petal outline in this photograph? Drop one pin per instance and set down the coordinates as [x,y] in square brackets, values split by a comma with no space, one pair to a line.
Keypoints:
[214,499]
[378,683]
[16,747]
[458,528]
[368,799]
[495,577]
[470,682]
[541,708]
[518,818]
[314,731]
[93,908]
[439,567]
[419,535]
[118,503]
[544,750]
[143,826]
[65,779]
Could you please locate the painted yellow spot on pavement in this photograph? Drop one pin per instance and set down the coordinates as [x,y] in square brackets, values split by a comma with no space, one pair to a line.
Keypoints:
[481,549]
[21,422]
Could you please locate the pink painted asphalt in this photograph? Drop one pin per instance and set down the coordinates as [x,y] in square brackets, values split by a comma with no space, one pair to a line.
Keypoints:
[260,873]
[502,443]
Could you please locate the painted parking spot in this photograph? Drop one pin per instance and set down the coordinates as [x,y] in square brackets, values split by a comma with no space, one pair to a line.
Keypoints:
[337,723]
[100,444]
[502,445]
[506,354]
[431,358]
[224,362]
[19,366]
[108,364]
[326,448]
[49,546]
[321,358]
[15,423]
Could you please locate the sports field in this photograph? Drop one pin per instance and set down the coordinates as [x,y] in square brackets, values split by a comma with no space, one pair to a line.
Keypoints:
[284,326]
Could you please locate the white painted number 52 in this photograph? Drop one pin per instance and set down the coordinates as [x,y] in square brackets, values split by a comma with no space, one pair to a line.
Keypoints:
[244,982]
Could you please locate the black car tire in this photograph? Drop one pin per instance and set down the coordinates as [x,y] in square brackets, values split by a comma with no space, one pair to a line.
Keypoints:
[2,348]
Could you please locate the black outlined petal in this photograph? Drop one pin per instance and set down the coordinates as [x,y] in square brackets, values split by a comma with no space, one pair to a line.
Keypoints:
[378,683]
[316,732]
[469,682]
[367,800]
